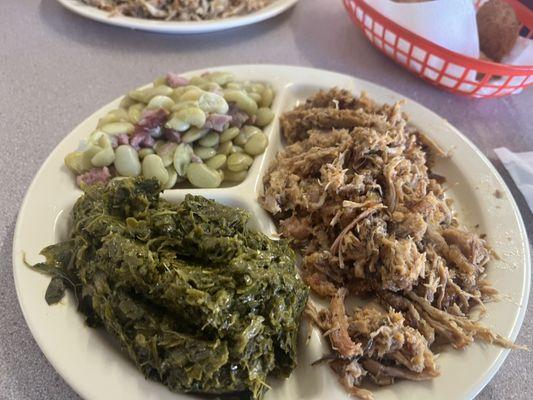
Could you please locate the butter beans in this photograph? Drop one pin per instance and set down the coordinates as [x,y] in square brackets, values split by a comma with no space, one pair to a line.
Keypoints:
[220,77]
[211,139]
[166,151]
[182,158]
[145,95]
[172,178]
[186,142]
[200,175]
[135,112]
[225,148]
[192,115]
[264,116]
[152,167]
[231,176]
[117,115]
[256,144]
[267,97]
[192,94]
[239,162]
[127,161]
[205,153]
[213,103]
[217,162]
[160,102]
[116,128]
[229,134]
[242,100]
[194,134]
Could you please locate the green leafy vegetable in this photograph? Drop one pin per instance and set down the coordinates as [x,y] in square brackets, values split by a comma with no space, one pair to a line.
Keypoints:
[195,298]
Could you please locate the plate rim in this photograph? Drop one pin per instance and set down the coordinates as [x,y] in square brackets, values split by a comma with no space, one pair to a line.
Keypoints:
[496,363]
[177,27]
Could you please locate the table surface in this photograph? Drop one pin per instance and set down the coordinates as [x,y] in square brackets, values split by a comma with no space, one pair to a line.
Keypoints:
[57,68]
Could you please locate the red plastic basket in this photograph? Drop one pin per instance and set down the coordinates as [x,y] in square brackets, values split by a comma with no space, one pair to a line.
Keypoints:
[449,70]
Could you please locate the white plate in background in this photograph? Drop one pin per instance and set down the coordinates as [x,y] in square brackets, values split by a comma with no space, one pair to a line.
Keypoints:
[88,359]
[184,27]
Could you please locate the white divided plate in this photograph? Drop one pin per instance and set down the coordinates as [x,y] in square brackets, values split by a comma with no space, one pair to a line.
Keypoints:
[277,7]
[88,360]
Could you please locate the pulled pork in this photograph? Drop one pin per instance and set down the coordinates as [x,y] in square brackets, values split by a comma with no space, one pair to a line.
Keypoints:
[179,10]
[354,192]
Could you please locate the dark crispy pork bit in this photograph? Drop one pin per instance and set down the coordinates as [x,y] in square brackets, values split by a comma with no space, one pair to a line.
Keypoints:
[384,373]
[175,80]
[93,176]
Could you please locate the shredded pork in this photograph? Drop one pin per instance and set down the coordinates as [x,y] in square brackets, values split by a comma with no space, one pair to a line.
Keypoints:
[354,192]
[179,10]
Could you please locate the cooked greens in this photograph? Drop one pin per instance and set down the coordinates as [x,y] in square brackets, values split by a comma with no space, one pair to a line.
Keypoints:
[197,300]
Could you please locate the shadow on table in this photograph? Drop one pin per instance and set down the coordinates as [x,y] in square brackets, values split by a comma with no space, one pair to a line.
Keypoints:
[99,35]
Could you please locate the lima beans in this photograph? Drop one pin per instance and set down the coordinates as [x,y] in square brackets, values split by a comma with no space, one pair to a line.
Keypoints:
[200,175]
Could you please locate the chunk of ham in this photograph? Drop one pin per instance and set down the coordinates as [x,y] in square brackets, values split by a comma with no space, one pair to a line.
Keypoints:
[238,117]
[218,122]
[93,176]
[175,80]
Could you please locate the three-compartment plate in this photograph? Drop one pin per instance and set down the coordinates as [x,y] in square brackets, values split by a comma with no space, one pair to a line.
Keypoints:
[91,363]
[183,27]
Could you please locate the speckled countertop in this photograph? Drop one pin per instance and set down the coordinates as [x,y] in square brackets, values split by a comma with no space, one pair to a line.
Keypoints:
[57,68]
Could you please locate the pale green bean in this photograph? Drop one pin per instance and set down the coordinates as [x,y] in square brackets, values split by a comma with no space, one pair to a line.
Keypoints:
[145,95]
[182,158]
[229,134]
[172,178]
[239,162]
[164,102]
[144,152]
[166,152]
[193,134]
[117,115]
[237,149]
[135,112]
[205,153]
[217,162]
[220,77]
[117,128]
[127,161]
[200,175]
[210,140]
[192,115]
[267,97]
[256,144]
[264,116]
[225,148]
[232,176]
[242,100]
[177,124]
[213,103]
[152,167]
[191,94]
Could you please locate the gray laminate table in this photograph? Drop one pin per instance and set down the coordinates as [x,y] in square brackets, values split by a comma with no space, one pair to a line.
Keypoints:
[57,68]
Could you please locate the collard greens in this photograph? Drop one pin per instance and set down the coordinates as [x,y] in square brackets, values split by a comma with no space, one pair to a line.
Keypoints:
[195,298]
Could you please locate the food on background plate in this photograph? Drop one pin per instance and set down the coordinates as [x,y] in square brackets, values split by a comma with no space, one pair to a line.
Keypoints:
[197,299]
[205,130]
[355,193]
[498,29]
[179,10]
